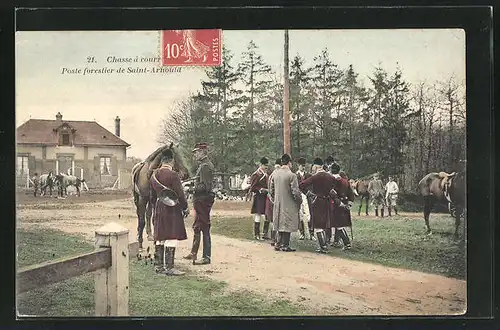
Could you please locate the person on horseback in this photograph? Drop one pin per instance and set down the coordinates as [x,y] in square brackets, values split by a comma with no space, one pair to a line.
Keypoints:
[170,209]
[391,195]
[376,190]
[259,182]
[269,203]
[318,187]
[203,200]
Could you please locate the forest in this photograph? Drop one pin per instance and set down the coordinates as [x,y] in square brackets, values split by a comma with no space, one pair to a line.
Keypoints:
[384,125]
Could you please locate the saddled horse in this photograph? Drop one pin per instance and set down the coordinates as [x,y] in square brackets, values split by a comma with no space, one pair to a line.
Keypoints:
[141,174]
[64,181]
[47,180]
[360,188]
[443,187]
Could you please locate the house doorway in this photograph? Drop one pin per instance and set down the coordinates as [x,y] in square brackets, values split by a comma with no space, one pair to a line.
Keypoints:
[65,164]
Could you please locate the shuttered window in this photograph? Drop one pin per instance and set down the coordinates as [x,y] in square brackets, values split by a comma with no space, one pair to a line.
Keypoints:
[105,165]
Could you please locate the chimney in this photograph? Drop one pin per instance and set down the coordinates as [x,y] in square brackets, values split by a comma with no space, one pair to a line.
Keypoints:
[117,126]
[58,116]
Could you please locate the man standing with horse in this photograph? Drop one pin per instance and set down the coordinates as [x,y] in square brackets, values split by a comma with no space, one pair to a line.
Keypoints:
[36,182]
[259,187]
[320,185]
[170,209]
[203,200]
[376,190]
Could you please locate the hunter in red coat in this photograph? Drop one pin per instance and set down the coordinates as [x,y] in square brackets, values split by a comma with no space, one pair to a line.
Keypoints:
[170,209]
[341,213]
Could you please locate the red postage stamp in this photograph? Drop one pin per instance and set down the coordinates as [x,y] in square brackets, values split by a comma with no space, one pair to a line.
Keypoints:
[191,47]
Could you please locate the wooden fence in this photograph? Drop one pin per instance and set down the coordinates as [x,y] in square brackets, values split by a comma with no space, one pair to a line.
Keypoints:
[109,262]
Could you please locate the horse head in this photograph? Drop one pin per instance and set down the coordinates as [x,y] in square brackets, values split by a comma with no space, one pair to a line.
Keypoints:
[179,166]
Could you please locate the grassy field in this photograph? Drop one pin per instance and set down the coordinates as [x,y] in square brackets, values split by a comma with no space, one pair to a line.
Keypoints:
[150,294]
[397,241]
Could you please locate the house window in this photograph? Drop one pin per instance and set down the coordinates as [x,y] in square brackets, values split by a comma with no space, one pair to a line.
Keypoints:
[22,165]
[105,165]
[65,139]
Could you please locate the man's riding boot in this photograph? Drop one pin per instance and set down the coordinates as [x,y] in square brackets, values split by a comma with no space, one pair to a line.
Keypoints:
[158,261]
[273,237]
[345,239]
[389,209]
[279,241]
[321,242]
[336,239]
[376,212]
[286,242]
[382,212]
[169,263]
[266,230]
[396,210]
[301,230]
[256,230]
[196,246]
[207,250]
[328,233]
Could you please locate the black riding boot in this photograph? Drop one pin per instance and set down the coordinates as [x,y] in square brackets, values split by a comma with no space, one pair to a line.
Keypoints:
[196,246]
[301,230]
[328,233]
[265,233]
[286,242]
[345,239]
[169,263]
[207,249]
[322,242]
[279,241]
[389,209]
[158,262]
[256,230]
[376,212]
[396,210]
[273,237]
[336,239]
[382,212]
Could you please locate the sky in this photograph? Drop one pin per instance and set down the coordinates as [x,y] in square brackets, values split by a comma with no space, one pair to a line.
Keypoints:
[143,100]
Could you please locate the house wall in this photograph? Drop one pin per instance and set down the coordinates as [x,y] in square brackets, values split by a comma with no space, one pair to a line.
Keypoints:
[43,159]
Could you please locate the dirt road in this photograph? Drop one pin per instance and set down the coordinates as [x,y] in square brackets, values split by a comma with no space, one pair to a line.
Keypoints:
[322,284]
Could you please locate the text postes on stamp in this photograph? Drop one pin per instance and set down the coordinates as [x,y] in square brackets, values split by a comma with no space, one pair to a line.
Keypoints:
[191,47]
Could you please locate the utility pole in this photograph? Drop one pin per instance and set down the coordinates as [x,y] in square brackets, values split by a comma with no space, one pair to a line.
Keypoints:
[286,103]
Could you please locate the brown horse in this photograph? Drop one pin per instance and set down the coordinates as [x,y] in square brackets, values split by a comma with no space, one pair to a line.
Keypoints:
[360,188]
[443,187]
[141,173]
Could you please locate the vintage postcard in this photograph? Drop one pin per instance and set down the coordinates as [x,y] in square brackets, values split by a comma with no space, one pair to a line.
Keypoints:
[241,172]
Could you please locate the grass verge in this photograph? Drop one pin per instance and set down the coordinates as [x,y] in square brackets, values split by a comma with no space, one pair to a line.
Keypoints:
[398,241]
[150,294]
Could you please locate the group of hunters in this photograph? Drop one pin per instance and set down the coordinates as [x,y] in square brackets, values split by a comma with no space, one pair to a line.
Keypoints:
[321,198]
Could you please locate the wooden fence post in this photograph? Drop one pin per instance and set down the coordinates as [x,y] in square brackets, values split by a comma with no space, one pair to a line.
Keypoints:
[112,284]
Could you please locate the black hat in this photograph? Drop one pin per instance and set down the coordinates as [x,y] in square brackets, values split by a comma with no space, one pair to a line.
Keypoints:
[285,159]
[301,161]
[329,160]
[264,161]
[318,161]
[278,161]
[167,156]
[335,168]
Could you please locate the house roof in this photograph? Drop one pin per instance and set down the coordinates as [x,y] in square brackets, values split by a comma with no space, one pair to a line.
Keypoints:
[87,133]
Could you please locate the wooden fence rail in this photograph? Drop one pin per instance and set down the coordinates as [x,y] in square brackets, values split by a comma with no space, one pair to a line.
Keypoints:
[109,262]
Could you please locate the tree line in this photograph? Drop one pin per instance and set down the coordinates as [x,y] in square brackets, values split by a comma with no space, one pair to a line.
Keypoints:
[390,126]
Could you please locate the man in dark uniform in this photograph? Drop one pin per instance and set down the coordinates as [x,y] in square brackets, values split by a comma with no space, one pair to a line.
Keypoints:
[259,187]
[203,200]
[341,214]
[36,183]
[170,209]
[269,206]
[320,183]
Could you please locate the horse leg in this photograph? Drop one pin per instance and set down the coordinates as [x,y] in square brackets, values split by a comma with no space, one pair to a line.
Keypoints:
[367,199]
[360,205]
[428,204]
[141,210]
[458,213]
[78,191]
[149,212]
